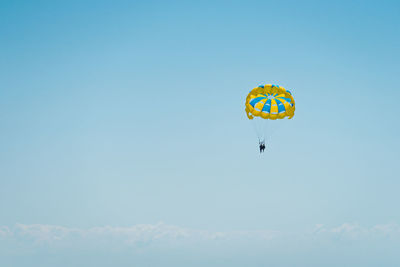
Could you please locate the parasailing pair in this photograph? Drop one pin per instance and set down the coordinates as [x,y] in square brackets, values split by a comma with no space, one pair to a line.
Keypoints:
[267,103]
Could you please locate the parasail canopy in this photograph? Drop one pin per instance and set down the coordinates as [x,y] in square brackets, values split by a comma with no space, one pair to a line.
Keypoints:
[270,102]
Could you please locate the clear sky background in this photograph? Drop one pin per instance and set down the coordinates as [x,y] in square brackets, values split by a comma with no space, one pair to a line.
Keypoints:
[130,115]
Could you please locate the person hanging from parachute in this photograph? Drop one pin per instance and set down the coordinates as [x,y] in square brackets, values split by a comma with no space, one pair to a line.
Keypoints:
[267,103]
[262,146]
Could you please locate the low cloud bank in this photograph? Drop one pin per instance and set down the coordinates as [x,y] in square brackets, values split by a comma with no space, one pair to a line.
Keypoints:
[348,244]
[40,234]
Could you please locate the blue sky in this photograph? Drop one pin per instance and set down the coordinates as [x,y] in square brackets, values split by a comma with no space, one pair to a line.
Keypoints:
[132,113]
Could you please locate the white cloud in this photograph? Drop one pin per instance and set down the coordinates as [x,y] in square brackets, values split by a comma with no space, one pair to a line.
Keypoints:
[145,234]
[43,232]
[140,232]
[355,231]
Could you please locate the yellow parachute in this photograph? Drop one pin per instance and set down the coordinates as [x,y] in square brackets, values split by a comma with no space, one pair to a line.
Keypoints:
[265,104]
[270,102]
